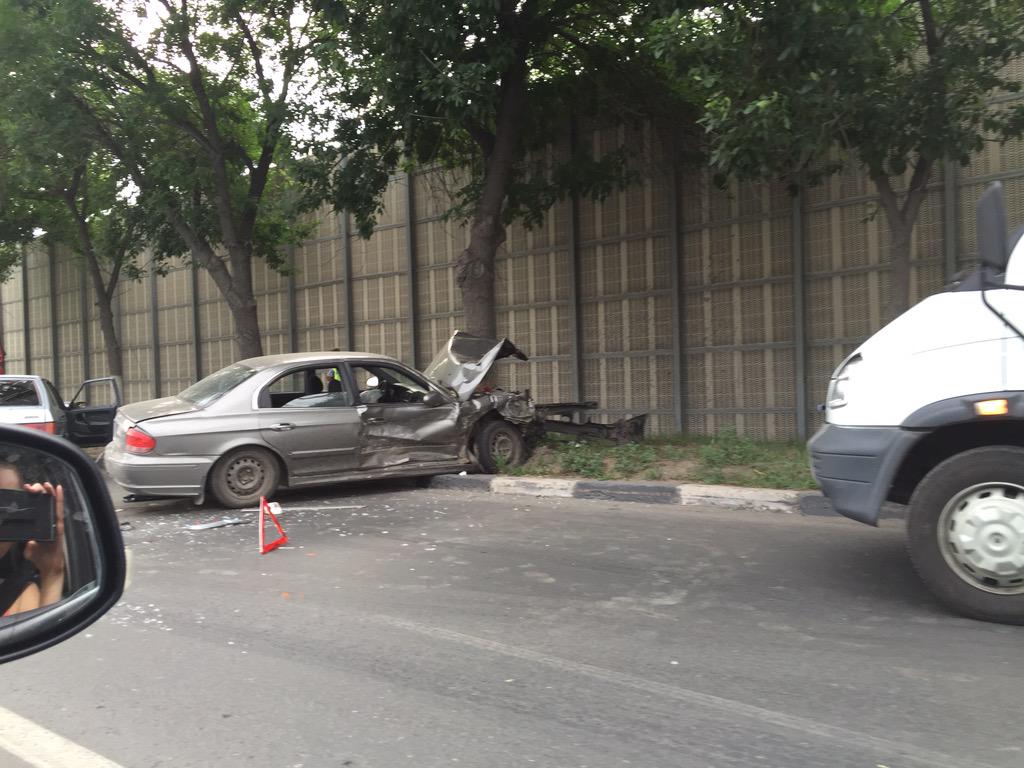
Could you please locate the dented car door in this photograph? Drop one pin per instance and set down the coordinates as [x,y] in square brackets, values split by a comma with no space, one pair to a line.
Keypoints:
[403,418]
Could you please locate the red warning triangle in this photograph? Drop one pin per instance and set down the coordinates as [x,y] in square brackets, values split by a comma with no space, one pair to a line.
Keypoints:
[282,539]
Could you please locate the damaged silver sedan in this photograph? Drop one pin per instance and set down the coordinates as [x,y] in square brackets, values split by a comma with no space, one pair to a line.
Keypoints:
[309,419]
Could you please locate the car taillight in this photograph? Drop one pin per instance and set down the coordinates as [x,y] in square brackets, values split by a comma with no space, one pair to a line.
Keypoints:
[46,426]
[137,441]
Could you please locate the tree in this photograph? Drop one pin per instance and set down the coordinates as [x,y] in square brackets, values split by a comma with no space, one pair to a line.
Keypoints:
[473,87]
[57,179]
[897,85]
[204,113]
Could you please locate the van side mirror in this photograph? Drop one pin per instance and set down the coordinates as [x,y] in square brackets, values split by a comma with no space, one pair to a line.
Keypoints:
[991,213]
[433,398]
[62,560]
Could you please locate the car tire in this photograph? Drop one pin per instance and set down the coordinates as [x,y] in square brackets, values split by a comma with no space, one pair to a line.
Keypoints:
[500,444]
[965,533]
[242,476]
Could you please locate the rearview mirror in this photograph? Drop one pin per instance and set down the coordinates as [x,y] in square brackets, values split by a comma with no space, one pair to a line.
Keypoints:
[991,213]
[62,562]
[433,398]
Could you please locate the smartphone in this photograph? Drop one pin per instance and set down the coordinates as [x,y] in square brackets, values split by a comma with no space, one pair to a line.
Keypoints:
[26,516]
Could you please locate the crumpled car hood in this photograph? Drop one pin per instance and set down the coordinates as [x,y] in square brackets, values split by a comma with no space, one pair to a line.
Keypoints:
[465,360]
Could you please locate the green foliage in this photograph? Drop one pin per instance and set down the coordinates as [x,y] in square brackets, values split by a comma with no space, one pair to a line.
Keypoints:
[727,448]
[206,113]
[583,459]
[785,81]
[722,459]
[633,458]
[441,73]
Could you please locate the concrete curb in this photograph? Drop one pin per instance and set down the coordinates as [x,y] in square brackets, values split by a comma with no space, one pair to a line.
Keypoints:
[768,499]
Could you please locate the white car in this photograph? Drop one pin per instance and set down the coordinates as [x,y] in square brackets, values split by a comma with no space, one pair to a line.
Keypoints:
[33,402]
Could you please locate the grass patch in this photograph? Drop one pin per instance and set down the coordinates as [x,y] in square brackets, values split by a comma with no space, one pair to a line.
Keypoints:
[725,458]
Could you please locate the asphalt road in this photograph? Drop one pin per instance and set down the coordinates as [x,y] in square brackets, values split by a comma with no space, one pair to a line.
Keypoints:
[432,628]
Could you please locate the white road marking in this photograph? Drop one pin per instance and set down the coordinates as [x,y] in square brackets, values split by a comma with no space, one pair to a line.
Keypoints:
[43,748]
[885,748]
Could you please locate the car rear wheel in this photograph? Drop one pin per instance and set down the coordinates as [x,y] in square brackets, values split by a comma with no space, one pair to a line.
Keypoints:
[500,444]
[242,476]
[965,533]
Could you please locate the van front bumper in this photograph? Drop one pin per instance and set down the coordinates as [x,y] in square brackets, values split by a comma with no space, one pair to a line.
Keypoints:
[855,466]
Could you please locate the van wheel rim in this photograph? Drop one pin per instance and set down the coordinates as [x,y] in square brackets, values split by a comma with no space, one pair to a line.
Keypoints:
[245,475]
[981,535]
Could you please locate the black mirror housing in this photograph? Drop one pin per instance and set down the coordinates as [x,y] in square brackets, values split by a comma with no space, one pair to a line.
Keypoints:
[433,398]
[991,213]
[95,567]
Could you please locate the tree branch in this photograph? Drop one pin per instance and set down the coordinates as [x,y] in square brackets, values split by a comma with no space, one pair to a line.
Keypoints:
[257,56]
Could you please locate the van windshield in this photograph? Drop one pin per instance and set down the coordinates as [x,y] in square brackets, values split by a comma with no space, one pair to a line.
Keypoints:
[216,385]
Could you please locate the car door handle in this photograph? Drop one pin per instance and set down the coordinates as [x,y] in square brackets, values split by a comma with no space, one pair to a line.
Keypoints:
[375,420]
[282,427]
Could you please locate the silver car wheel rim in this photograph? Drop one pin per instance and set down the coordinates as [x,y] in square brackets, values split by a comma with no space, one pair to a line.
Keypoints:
[981,536]
[502,447]
[245,475]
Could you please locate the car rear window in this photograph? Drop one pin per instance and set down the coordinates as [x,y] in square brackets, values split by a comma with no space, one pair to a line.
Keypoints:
[217,384]
[18,392]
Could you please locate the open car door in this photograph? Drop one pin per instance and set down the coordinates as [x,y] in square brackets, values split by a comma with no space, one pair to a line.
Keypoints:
[91,412]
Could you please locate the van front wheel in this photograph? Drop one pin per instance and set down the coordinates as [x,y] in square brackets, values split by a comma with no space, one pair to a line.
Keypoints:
[965,533]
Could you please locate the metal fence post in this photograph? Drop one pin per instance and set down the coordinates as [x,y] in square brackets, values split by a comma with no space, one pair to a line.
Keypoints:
[575,318]
[678,307]
[26,327]
[346,276]
[197,344]
[86,324]
[54,327]
[799,312]
[25,313]
[410,252]
[950,216]
[293,310]
[154,318]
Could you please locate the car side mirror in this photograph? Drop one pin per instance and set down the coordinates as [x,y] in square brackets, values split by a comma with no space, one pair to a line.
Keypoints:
[62,560]
[433,398]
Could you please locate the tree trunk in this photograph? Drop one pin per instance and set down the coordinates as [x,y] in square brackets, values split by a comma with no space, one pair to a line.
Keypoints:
[899,278]
[115,366]
[103,291]
[901,228]
[237,289]
[247,330]
[474,270]
[475,274]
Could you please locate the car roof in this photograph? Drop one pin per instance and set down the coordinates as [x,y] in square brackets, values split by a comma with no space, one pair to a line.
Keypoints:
[4,376]
[269,361]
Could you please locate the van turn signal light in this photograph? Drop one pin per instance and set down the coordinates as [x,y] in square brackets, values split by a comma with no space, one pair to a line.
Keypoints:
[992,407]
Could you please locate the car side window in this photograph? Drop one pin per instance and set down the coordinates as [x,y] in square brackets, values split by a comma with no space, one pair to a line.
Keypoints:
[310,387]
[18,392]
[383,384]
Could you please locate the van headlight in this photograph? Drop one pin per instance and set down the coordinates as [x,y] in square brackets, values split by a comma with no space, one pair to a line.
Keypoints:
[839,385]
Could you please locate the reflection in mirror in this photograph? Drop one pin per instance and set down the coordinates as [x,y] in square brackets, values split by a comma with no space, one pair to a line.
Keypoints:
[47,545]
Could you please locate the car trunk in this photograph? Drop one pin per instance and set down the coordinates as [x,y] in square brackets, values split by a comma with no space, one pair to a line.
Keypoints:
[152,409]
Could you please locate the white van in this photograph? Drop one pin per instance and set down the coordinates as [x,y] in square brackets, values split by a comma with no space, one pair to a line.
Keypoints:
[930,412]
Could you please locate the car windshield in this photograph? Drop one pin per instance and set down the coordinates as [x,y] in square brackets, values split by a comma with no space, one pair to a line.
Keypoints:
[214,386]
[18,392]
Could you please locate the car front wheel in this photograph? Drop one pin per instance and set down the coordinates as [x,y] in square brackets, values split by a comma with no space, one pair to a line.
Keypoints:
[965,533]
[241,477]
[500,444]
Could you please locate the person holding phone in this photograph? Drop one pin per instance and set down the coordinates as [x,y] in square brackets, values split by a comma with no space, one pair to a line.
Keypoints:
[31,572]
